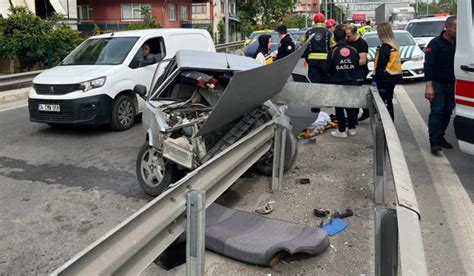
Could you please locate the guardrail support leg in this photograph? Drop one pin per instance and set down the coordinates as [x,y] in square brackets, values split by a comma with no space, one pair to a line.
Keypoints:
[278,158]
[195,238]
[379,163]
[386,242]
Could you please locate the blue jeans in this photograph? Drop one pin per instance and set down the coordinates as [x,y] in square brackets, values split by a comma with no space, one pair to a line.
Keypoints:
[441,109]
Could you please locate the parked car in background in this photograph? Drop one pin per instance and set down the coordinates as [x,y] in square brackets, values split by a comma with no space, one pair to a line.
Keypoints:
[412,57]
[254,34]
[424,30]
[252,47]
[94,84]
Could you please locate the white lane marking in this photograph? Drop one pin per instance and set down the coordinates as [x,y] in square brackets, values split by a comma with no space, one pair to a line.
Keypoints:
[15,106]
[452,195]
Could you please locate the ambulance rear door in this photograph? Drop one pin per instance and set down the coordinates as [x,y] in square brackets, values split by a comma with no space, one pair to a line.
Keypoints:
[464,71]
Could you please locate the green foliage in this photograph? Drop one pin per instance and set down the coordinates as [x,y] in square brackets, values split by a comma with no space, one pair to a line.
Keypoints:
[220,27]
[27,37]
[443,6]
[149,21]
[268,13]
[295,21]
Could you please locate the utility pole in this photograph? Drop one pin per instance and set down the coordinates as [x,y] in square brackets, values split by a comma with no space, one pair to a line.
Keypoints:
[416,7]
[226,18]
[306,14]
[427,5]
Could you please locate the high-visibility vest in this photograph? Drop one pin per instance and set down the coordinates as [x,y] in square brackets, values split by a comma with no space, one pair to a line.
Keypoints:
[394,65]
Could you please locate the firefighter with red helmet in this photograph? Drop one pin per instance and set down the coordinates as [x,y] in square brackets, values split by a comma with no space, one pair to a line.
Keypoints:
[318,49]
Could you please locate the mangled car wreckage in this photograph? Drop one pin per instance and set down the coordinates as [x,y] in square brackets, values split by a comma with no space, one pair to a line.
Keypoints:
[201,104]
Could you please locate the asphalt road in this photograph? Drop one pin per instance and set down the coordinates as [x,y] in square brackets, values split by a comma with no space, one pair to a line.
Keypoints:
[63,188]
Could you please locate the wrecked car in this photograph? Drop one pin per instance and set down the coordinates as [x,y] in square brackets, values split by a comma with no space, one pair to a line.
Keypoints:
[203,103]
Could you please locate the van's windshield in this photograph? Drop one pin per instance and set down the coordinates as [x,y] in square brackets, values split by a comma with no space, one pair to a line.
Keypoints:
[101,51]
[425,29]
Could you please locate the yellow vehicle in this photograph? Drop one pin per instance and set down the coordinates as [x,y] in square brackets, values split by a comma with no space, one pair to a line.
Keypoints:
[254,34]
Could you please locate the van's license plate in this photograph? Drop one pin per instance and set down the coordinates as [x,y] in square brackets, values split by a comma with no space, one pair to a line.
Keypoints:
[49,107]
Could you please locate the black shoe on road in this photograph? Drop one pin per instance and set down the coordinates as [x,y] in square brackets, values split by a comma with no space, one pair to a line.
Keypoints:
[445,144]
[435,148]
[364,117]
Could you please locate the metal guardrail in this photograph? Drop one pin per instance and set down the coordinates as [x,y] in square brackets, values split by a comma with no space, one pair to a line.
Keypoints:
[230,47]
[19,80]
[15,81]
[131,246]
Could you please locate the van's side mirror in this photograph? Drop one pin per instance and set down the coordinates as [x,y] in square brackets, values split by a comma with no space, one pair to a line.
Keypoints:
[140,90]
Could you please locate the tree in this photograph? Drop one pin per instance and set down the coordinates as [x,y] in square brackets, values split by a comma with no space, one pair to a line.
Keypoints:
[295,21]
[31,39]
[443,6]
[268,13]
[149,21]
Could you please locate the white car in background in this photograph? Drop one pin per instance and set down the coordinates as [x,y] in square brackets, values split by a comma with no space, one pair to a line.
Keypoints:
[424,30]
[412,57]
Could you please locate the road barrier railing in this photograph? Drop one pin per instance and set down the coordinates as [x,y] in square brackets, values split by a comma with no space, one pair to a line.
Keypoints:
[132,246]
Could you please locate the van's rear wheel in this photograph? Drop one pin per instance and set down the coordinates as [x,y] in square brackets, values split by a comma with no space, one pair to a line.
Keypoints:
[154,173]
[123,113]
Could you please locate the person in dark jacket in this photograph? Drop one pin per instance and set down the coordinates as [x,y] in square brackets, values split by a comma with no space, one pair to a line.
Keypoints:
[440,79]
[287,46]
[342,66]
[387,65]
[263,54]
[317,51]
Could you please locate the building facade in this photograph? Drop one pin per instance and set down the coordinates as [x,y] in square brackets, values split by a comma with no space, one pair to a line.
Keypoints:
[307,7]
[110,15]
[211,16]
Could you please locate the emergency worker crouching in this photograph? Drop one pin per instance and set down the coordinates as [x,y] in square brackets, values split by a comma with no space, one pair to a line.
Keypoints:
[318,49]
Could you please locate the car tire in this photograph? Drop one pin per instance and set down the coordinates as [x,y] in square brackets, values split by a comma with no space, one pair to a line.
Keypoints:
[265,166]
[123,113]
[154,173]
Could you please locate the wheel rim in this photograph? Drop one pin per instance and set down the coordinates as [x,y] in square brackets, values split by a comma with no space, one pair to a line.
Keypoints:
[152,167]
[125,113]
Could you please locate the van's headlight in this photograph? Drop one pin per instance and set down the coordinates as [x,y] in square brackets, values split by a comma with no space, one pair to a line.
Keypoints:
[91,84]
[418,57]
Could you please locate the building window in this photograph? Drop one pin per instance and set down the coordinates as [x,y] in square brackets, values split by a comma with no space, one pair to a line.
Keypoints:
[134,11]
[172,12]
[85,12]
[199,9]
[184,13]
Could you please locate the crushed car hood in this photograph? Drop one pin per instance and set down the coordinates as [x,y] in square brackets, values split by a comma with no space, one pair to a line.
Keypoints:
[249,89]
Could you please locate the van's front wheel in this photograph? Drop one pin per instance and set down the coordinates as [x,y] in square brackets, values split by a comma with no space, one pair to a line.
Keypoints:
[123,113]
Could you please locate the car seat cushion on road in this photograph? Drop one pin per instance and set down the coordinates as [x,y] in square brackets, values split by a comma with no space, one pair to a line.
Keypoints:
[257,239]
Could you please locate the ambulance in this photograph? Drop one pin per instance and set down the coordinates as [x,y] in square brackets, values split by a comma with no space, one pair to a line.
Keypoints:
[464,71]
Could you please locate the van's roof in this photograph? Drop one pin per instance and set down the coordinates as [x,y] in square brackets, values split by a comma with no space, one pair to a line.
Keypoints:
[428,19]
[145,32]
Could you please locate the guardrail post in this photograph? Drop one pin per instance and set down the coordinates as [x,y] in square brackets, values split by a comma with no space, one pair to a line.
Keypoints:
[379,162]
[278,158]
[386,242]
[195,232]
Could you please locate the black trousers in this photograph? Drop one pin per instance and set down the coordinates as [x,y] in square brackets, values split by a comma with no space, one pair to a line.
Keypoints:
[341,118]
[386,93]
[317,72]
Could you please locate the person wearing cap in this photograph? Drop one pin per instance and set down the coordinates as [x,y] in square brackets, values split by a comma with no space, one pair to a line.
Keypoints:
[331,25]
[317,51]
[287,46]
[365,27]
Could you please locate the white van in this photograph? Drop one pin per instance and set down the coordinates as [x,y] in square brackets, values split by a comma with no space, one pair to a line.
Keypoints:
[464,71]
[94,84]
[425,29]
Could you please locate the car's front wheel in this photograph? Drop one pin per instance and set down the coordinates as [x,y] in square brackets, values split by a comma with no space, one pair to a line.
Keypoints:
[123,113]
[154,173]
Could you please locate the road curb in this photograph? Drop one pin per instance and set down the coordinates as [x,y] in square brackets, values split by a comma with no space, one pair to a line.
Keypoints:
[16,95]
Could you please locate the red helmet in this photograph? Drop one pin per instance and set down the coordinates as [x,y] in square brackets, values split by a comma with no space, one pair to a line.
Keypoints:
[330,22]
[319,18]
